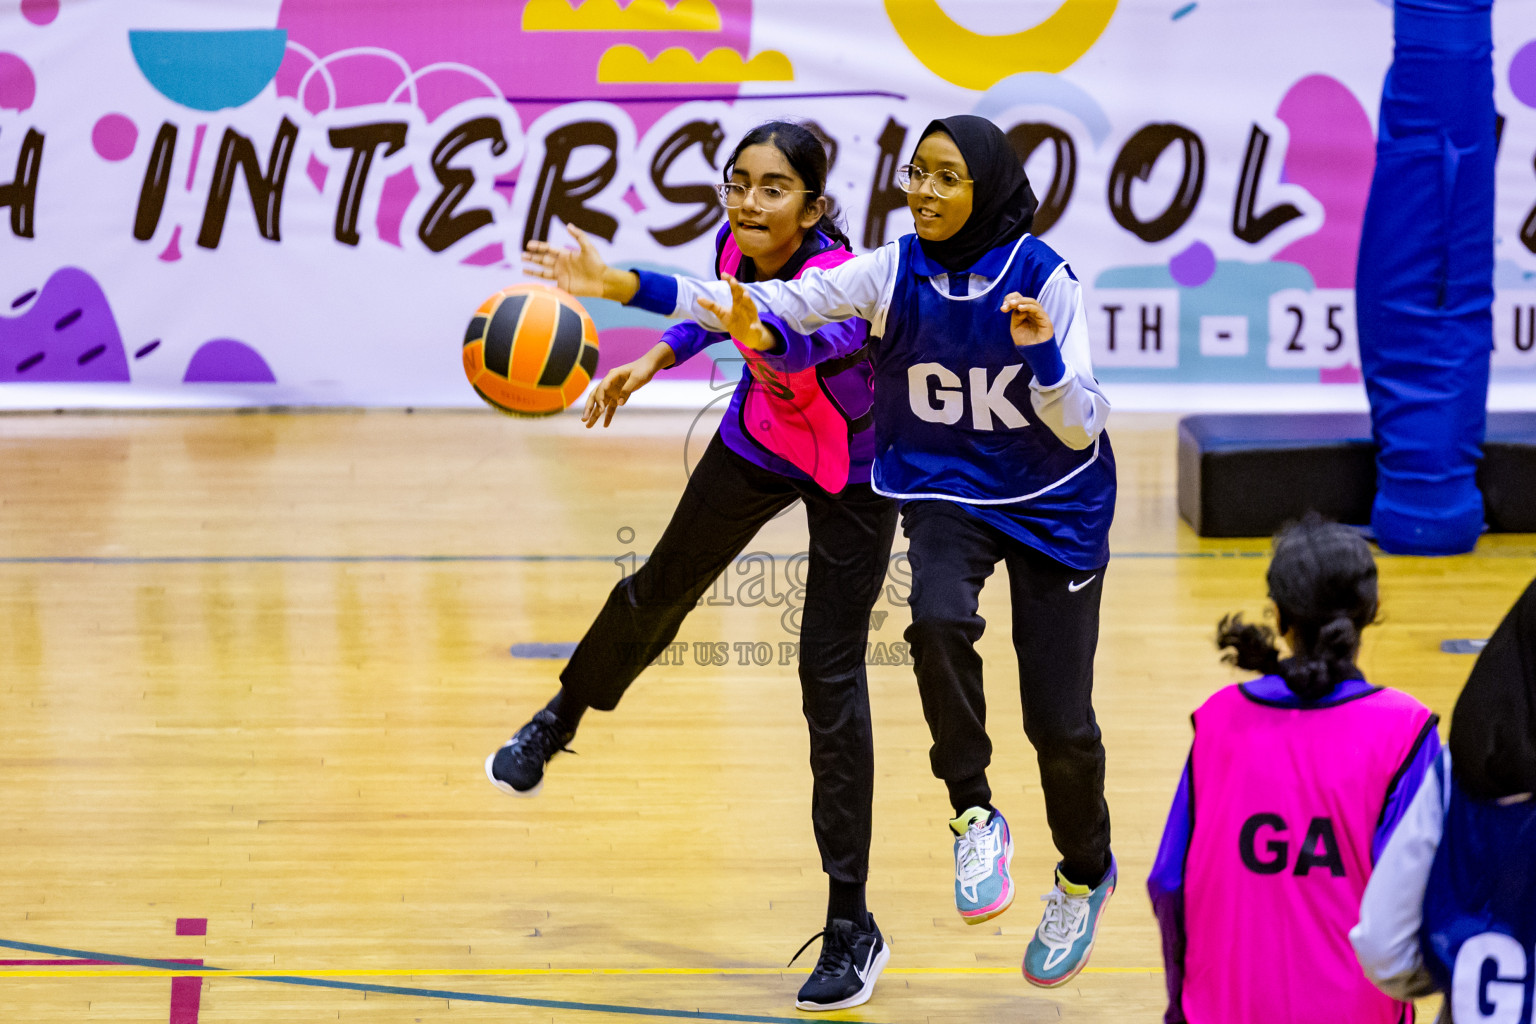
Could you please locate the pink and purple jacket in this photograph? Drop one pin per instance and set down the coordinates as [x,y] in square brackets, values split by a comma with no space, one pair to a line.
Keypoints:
[803,409]
[1280,815]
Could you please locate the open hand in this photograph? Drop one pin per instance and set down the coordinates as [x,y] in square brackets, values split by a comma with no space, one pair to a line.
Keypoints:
[741,320]
[579,271]
[614,390]
[1029,325]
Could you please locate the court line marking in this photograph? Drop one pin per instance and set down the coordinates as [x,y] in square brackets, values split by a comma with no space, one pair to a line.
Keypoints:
[521,972]
[534,559]
[170,969]
[289,559]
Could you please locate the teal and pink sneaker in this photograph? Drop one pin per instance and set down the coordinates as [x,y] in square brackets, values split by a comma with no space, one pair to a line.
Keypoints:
[1064,940]
[983,851]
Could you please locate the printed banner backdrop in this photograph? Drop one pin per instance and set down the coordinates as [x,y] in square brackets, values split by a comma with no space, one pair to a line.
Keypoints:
[263,202]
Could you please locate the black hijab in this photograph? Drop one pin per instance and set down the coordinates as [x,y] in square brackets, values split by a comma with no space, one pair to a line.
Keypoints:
[1002,203]
[1493,731]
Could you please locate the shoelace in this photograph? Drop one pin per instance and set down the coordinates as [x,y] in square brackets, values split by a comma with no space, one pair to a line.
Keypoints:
[975,854]
[542,744]
[836,953]
[1065,920]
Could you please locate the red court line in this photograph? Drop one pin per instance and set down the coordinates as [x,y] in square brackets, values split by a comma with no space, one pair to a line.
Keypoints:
[186,997]
[186,993]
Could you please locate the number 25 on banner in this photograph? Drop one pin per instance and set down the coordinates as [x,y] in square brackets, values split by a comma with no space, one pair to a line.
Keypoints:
[1312,330]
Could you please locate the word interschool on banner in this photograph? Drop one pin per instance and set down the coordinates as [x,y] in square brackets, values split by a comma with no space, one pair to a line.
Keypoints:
[583,161]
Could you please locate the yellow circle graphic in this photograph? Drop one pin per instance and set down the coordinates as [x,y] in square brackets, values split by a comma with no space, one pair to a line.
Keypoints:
[973,60]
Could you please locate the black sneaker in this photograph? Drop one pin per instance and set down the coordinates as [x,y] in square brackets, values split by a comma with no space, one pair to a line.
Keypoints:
[518,767]
[850,964]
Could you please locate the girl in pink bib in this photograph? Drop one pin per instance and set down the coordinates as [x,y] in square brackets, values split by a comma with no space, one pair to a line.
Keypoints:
[1294,783]
[798,430]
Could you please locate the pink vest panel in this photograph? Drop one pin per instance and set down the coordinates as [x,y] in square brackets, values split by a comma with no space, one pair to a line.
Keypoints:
[790,414]
[1286,803]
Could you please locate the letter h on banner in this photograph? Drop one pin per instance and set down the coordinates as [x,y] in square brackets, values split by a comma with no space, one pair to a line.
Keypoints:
[1134,327]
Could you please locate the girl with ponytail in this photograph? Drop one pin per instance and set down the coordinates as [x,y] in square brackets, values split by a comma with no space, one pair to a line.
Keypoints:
[1294,784]
[1323,583]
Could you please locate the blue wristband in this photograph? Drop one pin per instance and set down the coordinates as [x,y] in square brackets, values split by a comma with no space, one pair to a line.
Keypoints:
[657,293]
[1044,359]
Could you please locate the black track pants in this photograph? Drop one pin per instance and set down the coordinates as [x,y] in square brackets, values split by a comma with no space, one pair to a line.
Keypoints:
[727,500]
[1055,633]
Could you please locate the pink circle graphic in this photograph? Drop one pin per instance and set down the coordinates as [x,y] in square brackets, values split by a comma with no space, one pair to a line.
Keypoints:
[40,12]
[114,137]
[17,86]
[1522,74]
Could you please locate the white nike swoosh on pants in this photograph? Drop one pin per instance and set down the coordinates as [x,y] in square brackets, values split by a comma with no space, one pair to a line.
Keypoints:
[1073,588]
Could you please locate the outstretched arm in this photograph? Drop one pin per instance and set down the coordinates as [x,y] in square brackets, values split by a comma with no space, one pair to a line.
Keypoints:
[738,318]
[800,351]
[860,287]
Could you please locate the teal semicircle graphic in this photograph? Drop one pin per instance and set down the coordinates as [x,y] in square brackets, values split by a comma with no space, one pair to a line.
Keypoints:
[1046,90]
[209,69]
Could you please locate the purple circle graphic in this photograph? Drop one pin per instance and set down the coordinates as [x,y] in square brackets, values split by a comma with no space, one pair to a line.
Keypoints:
[39,12]
[18,88]
[114,137]
[1194,266]
[1522,74]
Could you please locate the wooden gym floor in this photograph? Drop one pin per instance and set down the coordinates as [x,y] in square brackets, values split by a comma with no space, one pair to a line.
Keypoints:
[250,665]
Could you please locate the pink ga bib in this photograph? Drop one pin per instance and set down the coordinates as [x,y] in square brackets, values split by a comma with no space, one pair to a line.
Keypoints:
[1286,802]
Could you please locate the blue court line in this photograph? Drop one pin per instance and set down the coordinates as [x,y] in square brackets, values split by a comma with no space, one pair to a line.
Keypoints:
[426,993]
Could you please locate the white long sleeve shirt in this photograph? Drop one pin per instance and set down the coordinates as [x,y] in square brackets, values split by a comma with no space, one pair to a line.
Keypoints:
[1072,406]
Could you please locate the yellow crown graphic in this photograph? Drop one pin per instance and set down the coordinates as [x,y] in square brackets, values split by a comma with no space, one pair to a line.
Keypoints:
[626,63]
